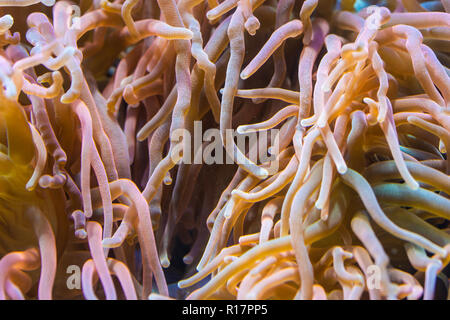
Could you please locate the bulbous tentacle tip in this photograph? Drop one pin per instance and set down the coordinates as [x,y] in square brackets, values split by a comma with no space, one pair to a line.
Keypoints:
[188,259]
[70,96]
[244,75]
[6,22]
[165,262]
[81,234]
[342,169]
[48,3]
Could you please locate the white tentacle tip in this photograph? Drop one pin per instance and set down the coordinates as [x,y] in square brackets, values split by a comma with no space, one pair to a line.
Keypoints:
[262,173]
[110,243]
[6,22]
[48,3]
[81,234]
[318,205]
[244,75]
[342,169]
[165,263]
[188,259]
[240,129]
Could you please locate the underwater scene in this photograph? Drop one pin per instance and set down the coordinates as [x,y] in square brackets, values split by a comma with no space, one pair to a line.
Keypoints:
[224,150]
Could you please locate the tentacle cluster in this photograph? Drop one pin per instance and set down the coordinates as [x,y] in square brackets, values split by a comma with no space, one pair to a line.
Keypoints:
[100,104]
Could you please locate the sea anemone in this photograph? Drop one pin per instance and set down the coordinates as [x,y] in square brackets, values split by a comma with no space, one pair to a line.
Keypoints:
[106,192]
